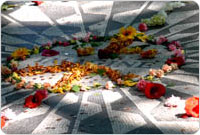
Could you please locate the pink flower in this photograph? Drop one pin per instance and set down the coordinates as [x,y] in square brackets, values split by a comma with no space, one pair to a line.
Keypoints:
[87,37]
[49,53]
[152,72]
[159,73]
[30,85]
[171,47]
[20,84]
[109,85]
[142,27]
[141,85]
[176,43]
[166,68]
[161,40]
[178,53]
[94,37]
[174,66]
[120,81]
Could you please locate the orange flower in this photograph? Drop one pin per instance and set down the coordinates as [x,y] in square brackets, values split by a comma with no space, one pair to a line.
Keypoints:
[152,72]
[159,73]
[5,70]
[46,85]
[30,85]
[166,68]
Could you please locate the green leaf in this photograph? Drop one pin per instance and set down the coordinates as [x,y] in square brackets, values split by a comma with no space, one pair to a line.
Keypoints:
[101,71]
[96,85]
[75,47]
[92,74]
[76,88]
[113,55]
[171,84]
[95,44]
[83,44]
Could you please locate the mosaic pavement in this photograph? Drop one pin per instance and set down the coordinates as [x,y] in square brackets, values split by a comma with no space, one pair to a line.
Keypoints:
[121,110]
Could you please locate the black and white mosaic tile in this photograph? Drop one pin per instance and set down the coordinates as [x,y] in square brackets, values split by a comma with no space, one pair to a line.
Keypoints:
[121,110]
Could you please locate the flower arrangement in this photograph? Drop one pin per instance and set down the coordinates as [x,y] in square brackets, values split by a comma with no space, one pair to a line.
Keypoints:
[192,107]
[75,71]
[150,89]
[159,19]
[20,53]
[35,100]
[149,54]
[85,51]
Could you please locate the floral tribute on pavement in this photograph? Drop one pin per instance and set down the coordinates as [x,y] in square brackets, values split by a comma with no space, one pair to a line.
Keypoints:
[73,72]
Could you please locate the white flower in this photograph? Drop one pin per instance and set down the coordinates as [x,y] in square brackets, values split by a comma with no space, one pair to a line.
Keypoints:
[170,6]
[173,101]
[163,13]
[109,85]
[9,114]
[178,4]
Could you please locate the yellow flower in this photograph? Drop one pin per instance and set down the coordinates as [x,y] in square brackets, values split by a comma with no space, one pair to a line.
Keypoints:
[36,50]
[20,53]
[142,37]
[129,83]
[55,62]
[127,33]
[16,76]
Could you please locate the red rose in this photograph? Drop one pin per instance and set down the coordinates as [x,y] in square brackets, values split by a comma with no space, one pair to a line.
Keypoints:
[192,107]
[154,90]
[49,53]
[178,60]
[142,27]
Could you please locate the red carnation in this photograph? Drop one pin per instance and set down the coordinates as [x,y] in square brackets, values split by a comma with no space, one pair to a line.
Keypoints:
[154,90]
[66,43]
[192,107]
[37,2]
[3,121]
[142,27]
[178,60]
[34,101]
[49,53]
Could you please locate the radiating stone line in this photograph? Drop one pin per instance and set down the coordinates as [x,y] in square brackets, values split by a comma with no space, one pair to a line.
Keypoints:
[122,122]
[139,12]
[106,8]
[77,10]
[78,119]
[50,120]
[181,28]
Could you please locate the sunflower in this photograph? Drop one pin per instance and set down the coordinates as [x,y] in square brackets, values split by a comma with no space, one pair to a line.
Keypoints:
[128,33]
[20,53]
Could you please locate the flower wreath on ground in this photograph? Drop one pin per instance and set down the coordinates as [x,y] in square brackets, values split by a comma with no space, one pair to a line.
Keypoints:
[75,71]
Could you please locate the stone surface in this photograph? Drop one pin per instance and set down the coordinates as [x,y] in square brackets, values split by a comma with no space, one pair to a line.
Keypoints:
[121,110]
